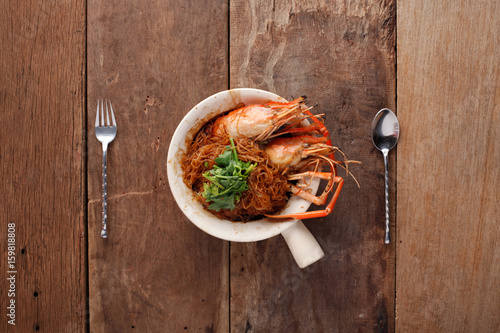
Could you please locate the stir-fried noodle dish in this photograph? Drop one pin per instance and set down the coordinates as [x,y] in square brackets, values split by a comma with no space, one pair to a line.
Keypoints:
[246,163]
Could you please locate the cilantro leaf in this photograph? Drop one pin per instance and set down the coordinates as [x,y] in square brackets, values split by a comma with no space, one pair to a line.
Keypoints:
[224,159]
[227,179]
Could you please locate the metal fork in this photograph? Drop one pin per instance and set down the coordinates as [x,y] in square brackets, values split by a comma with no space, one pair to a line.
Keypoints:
[105,134]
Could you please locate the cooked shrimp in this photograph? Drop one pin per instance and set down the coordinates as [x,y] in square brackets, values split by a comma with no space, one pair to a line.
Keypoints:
[289,152]
[259,121]
[299,157]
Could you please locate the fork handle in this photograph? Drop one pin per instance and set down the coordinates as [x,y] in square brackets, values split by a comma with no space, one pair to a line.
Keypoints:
[104,231]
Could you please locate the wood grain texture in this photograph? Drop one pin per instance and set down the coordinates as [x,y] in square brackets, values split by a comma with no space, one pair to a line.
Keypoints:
[156,272]
[42,103]
[342,57]
[448,255]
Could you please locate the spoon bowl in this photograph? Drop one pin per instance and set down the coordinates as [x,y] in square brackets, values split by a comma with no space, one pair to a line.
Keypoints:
[385,130]
[385,135]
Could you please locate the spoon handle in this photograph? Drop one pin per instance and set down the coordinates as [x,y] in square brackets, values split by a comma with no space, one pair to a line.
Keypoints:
[387,238]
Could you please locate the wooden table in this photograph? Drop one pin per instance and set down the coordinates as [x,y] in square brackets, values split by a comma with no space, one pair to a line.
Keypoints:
[434,62]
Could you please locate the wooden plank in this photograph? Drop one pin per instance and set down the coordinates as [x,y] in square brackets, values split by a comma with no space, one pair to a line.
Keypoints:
[448,171]
[156,272]
[42,103]
[342,57]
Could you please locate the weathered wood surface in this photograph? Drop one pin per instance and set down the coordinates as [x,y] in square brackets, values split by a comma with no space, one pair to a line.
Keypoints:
[448,254]
[42,149]
[342,56]
[156,272]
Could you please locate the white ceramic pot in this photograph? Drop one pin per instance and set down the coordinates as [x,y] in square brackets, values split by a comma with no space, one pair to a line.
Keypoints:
[304,247]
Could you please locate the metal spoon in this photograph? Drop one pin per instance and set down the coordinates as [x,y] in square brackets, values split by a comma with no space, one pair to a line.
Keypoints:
[385,135]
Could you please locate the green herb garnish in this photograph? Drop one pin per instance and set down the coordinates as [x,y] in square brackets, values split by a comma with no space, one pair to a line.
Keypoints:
[227,179]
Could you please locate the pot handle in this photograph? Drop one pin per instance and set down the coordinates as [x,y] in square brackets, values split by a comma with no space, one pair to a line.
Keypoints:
[304,247]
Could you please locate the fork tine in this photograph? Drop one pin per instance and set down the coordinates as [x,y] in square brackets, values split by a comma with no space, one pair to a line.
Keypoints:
[97,115]
[107,114]
[112,114]
[102,112]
